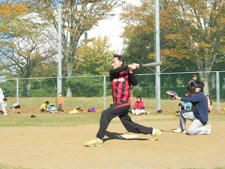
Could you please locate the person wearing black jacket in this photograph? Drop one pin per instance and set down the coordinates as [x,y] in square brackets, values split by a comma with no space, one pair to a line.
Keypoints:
[122,77]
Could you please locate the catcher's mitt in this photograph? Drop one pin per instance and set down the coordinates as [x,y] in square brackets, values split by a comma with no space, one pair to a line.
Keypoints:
[5,99]
[172,94]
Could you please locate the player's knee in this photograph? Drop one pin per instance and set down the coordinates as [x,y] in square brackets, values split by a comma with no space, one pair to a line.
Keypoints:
[191,131]
[104,114]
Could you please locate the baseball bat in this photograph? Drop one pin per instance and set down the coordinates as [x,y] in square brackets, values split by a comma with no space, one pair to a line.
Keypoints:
[153,64]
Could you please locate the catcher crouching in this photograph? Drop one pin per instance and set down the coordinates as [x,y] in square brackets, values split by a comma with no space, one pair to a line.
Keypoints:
[199,117]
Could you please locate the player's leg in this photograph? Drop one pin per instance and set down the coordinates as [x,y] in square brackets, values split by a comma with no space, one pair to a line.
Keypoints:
[137,112]
[184,114]
[3,108]
[142,111]
[134,127]
[106,117]
[197,128]
[137,128]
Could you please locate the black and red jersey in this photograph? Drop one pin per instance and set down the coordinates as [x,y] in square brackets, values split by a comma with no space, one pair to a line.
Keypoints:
[121,79]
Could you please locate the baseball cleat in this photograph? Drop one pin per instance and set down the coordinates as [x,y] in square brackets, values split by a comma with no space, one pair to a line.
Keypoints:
[153,137]
[94,143]
[208,128]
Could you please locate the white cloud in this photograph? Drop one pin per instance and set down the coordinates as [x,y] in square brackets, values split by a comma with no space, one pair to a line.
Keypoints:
[112,28]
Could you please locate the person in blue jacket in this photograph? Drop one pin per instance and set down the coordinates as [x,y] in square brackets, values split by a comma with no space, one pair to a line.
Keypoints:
[199,117]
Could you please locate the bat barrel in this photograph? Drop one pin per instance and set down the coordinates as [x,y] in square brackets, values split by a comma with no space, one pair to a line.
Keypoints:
[152,64]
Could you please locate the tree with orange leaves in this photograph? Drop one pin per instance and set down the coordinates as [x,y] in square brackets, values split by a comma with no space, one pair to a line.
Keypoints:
[193,30]
[22,40]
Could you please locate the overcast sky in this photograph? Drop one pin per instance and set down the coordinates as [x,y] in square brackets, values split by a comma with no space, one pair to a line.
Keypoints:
[112,28]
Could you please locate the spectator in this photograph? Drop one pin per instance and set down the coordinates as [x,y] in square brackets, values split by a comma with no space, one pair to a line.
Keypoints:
[184,106]
[209,103]
[199,117]
[2,98]
[60,102]
[51,108]
[139,107]
[44,107]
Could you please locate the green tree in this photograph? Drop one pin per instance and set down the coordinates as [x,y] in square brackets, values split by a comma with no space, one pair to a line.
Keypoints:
[95,58]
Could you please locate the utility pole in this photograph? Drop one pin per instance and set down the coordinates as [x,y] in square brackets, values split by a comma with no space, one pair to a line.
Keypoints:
[59,79]
[157,76]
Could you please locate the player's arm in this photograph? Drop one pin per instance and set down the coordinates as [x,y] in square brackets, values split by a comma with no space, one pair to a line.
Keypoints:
[119,69]
[195,98]
[114,72]
[123,68]
[132,78]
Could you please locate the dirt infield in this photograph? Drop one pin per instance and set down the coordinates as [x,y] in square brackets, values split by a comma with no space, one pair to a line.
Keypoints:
[63,148]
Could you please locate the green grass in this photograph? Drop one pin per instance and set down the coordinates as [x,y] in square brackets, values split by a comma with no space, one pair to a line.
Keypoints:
[11,167]
[32,104]
[47,120]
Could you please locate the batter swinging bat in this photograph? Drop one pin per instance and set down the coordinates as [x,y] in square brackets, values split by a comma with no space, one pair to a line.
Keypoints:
[151,64]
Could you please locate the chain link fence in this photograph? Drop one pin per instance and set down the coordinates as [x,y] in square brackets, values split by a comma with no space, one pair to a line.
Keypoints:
[99,86]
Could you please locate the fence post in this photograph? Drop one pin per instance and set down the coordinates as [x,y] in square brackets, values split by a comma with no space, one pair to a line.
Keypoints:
[218,90]
[17,90]
[104,91]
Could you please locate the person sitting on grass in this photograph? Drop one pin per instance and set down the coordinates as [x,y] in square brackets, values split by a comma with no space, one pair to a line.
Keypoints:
[184,106]
[139,107]
[44,107]
[51,108]
[199,117]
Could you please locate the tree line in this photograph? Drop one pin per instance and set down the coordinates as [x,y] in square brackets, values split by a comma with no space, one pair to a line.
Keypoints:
[192,37]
